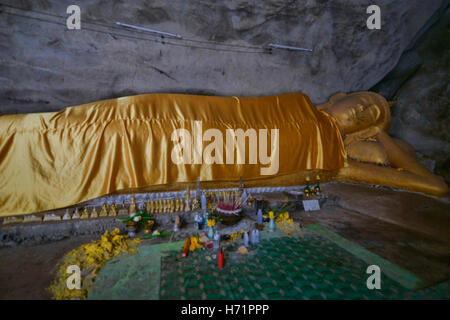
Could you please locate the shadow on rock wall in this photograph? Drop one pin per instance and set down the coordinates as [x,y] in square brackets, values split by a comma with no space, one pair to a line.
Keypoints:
[420,84]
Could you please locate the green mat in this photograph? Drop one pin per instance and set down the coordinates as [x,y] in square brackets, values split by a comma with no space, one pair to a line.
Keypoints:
[281,268]
[320,265]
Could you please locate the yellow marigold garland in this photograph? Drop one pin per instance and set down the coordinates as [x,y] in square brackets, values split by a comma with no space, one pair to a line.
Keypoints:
[90,258]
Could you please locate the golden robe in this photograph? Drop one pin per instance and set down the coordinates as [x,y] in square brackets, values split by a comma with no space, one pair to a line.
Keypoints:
[54,160]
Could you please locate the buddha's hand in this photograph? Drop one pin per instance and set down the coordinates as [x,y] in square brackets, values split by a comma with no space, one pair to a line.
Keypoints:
[365,134]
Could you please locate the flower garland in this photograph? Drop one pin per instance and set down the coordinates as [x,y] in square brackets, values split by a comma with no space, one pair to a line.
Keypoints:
[90,258]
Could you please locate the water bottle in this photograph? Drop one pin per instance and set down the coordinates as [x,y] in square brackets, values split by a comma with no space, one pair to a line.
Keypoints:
[196,221]
[203,202]
[244,198]
[253,237]
[259,218]
[256,235]
[216,240]
[246,239]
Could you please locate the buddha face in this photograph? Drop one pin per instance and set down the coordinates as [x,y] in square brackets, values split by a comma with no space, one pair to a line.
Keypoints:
[352,117]
[358,111]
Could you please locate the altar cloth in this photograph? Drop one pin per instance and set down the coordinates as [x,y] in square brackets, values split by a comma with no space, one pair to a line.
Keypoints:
[58,159]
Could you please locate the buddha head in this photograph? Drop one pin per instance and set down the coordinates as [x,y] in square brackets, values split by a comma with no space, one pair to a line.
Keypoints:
[358,111]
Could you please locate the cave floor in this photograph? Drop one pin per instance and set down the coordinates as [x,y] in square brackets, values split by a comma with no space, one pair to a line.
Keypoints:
[409,230]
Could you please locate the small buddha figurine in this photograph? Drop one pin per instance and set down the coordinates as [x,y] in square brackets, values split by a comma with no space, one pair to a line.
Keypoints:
[123,211]
[67,215]
[103,211]
[165,206]
[132,209]
[94,213]
[187,205]
[147,206]
[85,214]
[181,205]
[160,206]
[250,200]
[112,210]
[76,214]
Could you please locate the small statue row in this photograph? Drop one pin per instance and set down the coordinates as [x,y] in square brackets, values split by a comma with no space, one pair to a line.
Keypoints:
[207,201]
[85,214]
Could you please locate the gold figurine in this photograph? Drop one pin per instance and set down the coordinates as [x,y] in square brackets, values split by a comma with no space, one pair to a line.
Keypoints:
[94,213]
[132,208]
[152,207]
[76,214]
[112,210]
[103,211]
[85,214]
[160,206]
[181,204]
[123,211]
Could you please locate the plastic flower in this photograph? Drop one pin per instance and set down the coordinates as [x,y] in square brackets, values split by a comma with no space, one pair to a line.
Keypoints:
[271,215]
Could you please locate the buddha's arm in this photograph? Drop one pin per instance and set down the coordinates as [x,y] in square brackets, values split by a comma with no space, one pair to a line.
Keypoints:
[373,174]
[413,175]
[399,158]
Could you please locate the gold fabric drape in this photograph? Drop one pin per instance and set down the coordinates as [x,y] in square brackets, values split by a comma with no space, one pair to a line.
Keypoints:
[54,160]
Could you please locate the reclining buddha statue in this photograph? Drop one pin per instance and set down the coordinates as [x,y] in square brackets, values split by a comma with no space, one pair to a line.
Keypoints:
[165,142]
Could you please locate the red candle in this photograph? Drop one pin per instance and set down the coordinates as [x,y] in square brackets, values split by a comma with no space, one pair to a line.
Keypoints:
[220,258]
